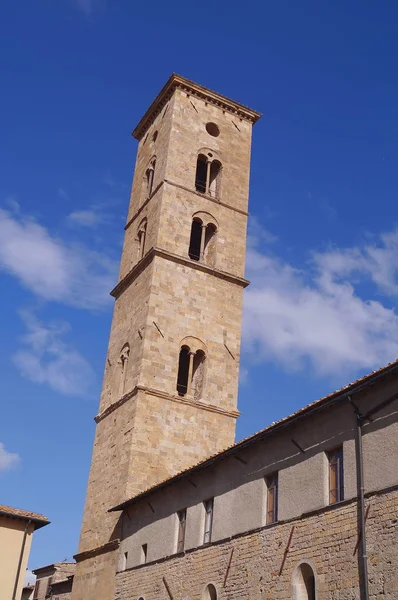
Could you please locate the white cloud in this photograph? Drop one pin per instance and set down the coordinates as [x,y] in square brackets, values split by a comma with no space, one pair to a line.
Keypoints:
[52,268]
[46,359]
[8,460]
[86,218]
[318,316]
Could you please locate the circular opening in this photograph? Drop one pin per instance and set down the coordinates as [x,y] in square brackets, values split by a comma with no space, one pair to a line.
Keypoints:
[212,129]
[155,135]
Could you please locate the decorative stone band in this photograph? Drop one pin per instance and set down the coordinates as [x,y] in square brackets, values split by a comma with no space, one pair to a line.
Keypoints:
[108,547]
[148,258]
[187,189]
[165,396]
[193,89]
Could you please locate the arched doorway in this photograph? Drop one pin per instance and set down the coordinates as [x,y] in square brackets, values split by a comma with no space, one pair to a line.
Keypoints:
[304,583]
[210,592]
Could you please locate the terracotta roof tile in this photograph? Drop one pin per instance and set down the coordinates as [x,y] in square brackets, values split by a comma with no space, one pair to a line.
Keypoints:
[37,518]
[351,387]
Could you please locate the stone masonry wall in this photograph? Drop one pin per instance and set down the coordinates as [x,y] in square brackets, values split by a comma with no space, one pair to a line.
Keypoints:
[326,540]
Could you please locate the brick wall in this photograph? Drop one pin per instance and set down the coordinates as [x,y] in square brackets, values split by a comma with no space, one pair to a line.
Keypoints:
[326,540]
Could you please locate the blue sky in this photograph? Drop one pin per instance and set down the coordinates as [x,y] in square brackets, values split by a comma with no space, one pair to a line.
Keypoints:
[76,76]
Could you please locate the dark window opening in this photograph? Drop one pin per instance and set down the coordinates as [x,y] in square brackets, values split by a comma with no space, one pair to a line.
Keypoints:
[144,553]
[213,129]
[214,184]
[272,498]
[210,244]
[182,520]
[198,374]
[304,583]
[336,475]
[210,593]
[183,371]
[149,176]
[195,241]
[209,505]
[201,174]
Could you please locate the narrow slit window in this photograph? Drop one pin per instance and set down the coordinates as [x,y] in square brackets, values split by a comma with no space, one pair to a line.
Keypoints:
[272,498]
[144,553]
[336,475]
[195,241]
[183,371]
[209,509]
[124,561]
[141,236]
[201,174]
[182,520]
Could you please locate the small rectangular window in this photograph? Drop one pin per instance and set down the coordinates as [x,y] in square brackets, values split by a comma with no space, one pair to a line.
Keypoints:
[336,475]
[272,498]
[208,504]
[144,553]
[124,561]
[182,519]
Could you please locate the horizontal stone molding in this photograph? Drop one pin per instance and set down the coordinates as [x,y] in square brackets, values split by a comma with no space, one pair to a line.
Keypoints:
[198,266]
[165,396]
[108,547]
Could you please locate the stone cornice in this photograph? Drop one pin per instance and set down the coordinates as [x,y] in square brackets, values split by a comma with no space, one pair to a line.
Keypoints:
[187,400]
[194,89]
[108,547]
[198,266]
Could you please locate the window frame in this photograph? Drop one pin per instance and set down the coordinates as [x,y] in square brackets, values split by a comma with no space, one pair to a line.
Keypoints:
[181,531]
[272,484]
[208,521]
[336,474]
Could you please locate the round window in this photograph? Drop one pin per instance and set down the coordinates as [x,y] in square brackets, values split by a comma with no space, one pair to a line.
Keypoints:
[212,129]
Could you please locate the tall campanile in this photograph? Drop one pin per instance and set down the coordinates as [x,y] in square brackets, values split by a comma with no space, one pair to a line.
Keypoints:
[169,395]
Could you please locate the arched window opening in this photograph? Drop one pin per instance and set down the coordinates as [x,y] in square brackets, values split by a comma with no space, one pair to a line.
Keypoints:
[183,371]
[208,176]
[304,583]
[198,374]
[123,361]
[214,183]
[201,174]
[195,241]
[149,177]
[141,238]
[209,253]
[210,593]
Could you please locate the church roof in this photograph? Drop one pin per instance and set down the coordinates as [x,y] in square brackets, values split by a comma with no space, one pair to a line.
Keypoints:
[18,513]
[331,398]
[176,81]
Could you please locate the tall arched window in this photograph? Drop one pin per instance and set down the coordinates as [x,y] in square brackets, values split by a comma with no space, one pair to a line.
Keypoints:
[210,592]
[208,176]
[191,369]
[304,583]
[202,243]
[123,361]
[141,238]
[149,178]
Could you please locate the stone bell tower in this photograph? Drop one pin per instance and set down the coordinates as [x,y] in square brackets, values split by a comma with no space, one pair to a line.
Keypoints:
[169,396]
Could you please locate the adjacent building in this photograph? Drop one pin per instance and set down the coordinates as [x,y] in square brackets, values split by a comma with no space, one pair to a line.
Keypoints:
[54,581]
[16,533]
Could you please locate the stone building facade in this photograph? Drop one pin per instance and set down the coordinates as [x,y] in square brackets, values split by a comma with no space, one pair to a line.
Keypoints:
[169,395]
[54,581]
[302,542]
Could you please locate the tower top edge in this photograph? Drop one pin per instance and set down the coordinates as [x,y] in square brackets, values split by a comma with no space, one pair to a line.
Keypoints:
[177,81]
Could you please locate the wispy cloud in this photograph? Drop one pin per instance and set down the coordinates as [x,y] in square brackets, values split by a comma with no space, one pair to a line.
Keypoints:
[91,218]
[46,358]
[89,6]
[53,268]
[8,460]
[321,315]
